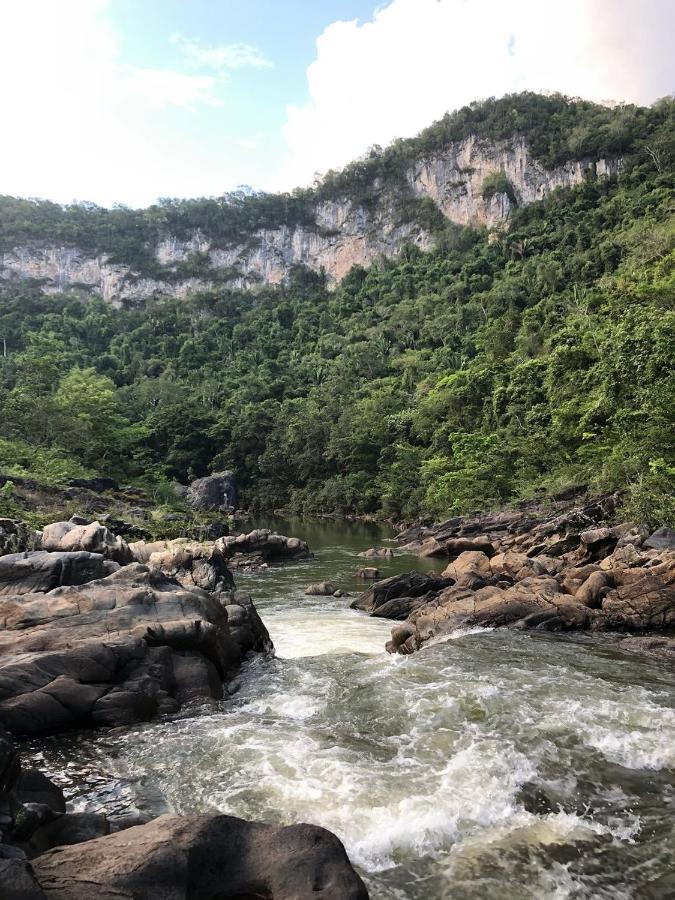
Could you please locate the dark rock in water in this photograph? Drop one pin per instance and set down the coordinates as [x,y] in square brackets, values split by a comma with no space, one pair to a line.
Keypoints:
[34,787]
[208,856]
[39,571]
[98,485]
[246,626]
[398,608]
[215,492]
[410,584]
[65,830]
[661,539]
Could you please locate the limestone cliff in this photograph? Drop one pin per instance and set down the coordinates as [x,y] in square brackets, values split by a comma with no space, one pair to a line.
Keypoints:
[342,232]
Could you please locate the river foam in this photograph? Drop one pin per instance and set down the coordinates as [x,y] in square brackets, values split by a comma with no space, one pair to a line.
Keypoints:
[493,764]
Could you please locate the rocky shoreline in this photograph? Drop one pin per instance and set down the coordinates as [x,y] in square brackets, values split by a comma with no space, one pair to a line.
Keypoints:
[97,632]
[566,569]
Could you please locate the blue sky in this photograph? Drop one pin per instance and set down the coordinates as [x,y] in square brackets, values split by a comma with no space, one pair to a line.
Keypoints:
[248,127]
[130,100]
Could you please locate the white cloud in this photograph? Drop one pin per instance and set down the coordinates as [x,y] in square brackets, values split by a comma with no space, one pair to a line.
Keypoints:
[417,59]
[78,122]
[220,59]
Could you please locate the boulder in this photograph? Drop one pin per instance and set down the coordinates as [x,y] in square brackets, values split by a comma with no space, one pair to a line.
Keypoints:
[410,584]
[176,858]
[65,830]
[321,589]
[534,602]
[591,591]
[191,563]
[661,539]
[39,571]
[246,626]
[214,492]
[469,563]
[272,547]
[17,879]
[368,573]
[453,547]
[92,538]
[643,599]
[33,787]
[109,652]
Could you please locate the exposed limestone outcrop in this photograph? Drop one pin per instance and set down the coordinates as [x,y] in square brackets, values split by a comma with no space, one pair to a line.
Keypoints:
[344,233]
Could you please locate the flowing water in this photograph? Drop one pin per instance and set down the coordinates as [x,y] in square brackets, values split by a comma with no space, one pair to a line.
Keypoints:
[494,765]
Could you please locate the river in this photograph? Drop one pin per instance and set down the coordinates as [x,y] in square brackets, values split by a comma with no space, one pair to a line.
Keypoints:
[494,765]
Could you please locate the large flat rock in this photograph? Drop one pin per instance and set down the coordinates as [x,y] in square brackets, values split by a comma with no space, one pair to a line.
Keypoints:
[200,857]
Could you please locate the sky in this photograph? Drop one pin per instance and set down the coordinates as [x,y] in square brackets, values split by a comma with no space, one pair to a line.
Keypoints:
[126,101]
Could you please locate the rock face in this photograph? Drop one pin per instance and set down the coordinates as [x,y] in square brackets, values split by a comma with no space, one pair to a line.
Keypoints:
[215,492]
[191,563]
[15,537]
[176,858]
[342,234]
[39,571]
[113,651]
[87,641]
[561,570]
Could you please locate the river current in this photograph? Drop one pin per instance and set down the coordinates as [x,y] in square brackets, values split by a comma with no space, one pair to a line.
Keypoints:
[493,765]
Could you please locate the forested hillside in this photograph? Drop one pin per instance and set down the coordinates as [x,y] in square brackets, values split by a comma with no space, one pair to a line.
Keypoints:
[499,364]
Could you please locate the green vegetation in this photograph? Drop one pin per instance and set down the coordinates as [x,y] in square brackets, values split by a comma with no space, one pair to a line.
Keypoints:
[494,367]
[498,183]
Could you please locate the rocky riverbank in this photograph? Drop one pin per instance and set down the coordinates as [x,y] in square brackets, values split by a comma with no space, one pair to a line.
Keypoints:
[96,632]
[569,568]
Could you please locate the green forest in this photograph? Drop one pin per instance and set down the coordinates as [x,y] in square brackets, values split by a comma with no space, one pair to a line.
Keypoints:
[500,365]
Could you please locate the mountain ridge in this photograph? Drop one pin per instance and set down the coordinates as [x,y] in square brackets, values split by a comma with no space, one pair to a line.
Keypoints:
[470,168]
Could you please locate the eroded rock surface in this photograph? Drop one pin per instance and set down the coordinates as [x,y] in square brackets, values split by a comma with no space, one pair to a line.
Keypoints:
[180,857]
[563,569]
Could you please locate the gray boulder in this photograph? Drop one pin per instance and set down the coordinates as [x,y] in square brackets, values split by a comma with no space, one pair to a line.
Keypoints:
[320,589]
[110,652]
[38,571]
[214,492]
[207,856]
[662,539]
